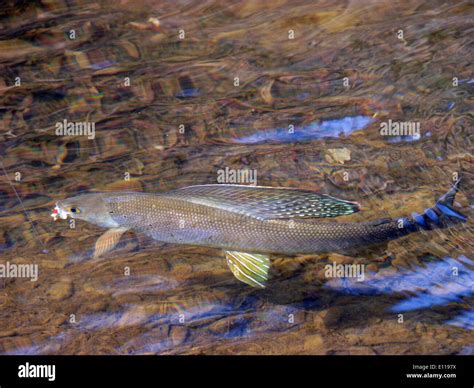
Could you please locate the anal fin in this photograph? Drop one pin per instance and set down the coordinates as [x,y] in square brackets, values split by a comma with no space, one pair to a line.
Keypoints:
[108,241]
[250,268]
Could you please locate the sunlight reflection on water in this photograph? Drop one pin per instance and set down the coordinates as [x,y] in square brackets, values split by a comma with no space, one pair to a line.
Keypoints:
[317,130]
[436,284]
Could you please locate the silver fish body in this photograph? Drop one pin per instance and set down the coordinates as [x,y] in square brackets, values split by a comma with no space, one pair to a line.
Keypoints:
[247,222]
[174,220]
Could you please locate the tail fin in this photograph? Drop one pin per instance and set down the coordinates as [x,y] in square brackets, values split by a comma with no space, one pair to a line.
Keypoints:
[442,214]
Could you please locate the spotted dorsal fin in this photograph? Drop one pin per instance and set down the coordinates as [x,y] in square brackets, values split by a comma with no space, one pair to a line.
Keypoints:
[250,268]
[266,203]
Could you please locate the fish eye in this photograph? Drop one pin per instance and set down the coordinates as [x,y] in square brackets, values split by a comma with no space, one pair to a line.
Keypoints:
[75,210]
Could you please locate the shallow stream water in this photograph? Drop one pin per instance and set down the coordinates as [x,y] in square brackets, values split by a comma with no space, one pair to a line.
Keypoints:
[179,91]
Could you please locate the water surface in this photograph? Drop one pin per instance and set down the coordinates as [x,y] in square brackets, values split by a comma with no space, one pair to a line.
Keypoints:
[168,113]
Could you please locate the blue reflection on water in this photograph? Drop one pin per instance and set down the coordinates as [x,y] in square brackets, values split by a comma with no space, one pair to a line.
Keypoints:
[26,351]
[99,321]
[316,130]
[464,320]
[403,138]
[191,92]
[131,317]
[102,65]
[50,346]
[435,284]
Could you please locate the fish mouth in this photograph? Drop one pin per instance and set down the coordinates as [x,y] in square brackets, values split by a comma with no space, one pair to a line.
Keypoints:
[60,213]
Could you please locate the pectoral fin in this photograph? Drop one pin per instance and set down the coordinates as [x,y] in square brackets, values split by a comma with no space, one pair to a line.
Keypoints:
[108,241]
[249,268]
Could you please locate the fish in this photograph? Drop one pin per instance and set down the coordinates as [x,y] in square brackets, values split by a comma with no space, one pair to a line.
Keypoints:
[248,222]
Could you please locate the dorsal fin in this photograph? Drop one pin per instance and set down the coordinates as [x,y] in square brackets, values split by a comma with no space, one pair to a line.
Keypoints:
[266,203]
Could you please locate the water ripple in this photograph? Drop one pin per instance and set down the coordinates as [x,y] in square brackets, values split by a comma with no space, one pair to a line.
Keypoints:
[436,284]
[314,131]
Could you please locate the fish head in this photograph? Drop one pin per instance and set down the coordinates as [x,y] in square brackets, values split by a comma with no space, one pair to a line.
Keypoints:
[88,207]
